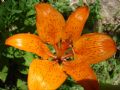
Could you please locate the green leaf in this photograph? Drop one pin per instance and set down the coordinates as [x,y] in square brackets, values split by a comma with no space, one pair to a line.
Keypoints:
[2,89]
[31,12]
[21,85]
[30,21]
[28,58]
[3,73]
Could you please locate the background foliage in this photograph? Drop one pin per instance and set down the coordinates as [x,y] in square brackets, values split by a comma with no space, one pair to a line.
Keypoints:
[18,16]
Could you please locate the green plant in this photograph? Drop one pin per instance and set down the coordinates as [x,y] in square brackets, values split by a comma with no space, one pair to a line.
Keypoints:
[17,16]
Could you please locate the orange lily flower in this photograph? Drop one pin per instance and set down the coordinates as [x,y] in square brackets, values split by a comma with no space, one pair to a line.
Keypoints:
[46,74]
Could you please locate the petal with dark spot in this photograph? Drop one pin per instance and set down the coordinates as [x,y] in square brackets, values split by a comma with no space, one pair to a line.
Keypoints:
[45,75]
[82,74]
[49,23]
[30,43]
[94,47]
[75,23]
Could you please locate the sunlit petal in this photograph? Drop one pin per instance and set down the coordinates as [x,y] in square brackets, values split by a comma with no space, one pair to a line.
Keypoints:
[94,47]
[49,23]
[45,75]
[30,43]
[82,74]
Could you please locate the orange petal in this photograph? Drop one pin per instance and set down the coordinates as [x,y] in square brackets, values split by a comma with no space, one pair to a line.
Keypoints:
[49,23]
[45,75]
[94,47]
[82,74]
[75,23]
[30,43]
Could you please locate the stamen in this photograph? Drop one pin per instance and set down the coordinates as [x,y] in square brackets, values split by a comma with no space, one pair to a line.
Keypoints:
[67,56]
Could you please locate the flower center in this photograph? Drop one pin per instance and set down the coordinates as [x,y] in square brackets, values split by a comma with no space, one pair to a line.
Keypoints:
[63,51]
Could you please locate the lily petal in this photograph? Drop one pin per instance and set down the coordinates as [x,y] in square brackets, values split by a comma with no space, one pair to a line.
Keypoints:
[94,47]
[45,75]
[30,43]
[49,23]
[82,74]
[75,23]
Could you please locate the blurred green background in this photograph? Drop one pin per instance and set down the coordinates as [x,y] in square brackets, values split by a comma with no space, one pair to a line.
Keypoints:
[18,16]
